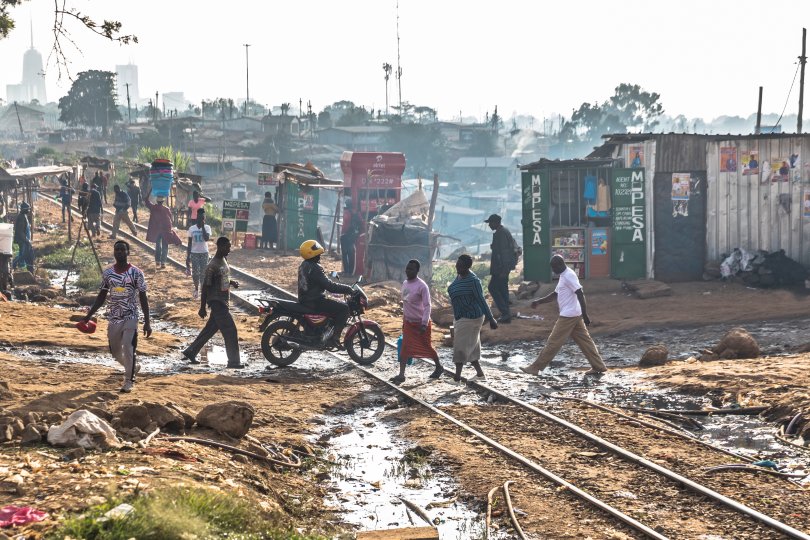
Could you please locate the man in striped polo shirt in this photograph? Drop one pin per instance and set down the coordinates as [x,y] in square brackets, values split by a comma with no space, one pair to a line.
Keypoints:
[125,285]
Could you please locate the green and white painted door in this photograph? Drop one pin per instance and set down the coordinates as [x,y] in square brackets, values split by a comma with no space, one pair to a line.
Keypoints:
[629,238]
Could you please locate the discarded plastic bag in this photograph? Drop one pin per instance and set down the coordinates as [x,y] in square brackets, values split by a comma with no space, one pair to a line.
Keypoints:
[85,429]
[20,515]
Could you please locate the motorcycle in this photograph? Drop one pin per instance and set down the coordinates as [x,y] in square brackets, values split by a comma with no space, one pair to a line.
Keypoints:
[288,329]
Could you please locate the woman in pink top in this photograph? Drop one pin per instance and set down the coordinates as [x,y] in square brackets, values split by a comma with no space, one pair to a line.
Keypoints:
[195,204]
[416,334]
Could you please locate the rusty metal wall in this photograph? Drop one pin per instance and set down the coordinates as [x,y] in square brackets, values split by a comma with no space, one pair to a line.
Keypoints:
[752,211]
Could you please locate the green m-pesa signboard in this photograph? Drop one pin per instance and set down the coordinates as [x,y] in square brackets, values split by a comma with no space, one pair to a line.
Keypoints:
[629,238]
[300,213]
[535,187]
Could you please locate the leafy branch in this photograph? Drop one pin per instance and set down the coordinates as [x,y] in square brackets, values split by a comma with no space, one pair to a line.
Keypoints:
[107,29]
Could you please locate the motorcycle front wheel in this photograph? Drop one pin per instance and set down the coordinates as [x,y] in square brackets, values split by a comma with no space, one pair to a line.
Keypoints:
[366,346]
[274,349]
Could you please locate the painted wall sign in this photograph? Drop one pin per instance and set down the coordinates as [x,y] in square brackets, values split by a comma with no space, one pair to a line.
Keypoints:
[536,226]
[629,238]
[238,211]
[629,214]
[301,213]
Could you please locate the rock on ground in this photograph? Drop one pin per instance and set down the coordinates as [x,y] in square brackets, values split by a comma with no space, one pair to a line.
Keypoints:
[737,343]
[232,418]
[657,355]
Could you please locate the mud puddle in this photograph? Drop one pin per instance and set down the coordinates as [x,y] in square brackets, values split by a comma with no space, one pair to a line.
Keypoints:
[68,287]
[376,473]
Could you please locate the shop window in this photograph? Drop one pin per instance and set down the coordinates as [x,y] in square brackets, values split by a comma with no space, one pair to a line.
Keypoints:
[566,199]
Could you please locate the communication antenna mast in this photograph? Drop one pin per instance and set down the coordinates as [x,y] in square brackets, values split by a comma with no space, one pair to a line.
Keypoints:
[399,67]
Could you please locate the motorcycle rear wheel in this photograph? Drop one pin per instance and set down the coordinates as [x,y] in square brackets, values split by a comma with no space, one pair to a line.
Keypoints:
[275,352]
[366,353]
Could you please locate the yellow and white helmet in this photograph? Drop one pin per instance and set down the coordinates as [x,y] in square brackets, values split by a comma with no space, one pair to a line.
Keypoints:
[310,249]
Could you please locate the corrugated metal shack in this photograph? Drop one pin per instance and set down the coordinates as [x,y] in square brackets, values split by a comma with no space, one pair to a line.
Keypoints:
[767,207]
[714,193]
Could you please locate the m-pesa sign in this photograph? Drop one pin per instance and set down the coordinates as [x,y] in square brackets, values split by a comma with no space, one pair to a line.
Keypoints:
[629,206]
[536,226]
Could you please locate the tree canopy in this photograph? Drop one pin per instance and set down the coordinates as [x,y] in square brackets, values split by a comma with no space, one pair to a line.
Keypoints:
[91,100]
[629,107]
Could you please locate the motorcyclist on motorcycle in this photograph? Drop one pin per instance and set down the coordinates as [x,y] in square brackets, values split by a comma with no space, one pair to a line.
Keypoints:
[313,284]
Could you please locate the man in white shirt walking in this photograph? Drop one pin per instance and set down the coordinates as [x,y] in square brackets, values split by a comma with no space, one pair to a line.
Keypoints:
[573,322]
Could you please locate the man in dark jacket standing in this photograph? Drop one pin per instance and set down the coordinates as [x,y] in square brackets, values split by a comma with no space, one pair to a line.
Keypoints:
[312,287]
[504,260]
[94,209]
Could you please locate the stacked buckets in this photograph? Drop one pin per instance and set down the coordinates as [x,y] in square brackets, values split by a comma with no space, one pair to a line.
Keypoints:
[161,176]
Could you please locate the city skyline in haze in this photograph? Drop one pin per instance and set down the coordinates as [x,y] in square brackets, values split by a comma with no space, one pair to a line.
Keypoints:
[705,59]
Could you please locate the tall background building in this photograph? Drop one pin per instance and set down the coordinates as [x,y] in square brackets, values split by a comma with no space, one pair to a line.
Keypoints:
[32,86]
[127,74]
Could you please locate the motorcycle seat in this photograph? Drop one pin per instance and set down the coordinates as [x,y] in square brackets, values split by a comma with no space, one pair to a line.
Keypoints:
[294,307]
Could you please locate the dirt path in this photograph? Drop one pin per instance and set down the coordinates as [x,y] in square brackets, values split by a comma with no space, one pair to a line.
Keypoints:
[291,405]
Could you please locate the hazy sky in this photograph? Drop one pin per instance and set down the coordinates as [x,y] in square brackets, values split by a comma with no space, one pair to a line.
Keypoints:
[706,58]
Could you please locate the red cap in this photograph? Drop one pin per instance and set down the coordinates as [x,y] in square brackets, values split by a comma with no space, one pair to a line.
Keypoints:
[87,327]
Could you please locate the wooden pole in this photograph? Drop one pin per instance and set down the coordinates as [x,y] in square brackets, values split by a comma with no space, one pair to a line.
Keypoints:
[433,197]
[334,221]
[802,62]
[759,113]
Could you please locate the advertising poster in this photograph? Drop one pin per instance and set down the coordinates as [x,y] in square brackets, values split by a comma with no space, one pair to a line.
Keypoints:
[268,179]
[635,156]
[599,243]
[780,170]
[680,186]
[795,167]
[728,159]
[750,162]
[806,205]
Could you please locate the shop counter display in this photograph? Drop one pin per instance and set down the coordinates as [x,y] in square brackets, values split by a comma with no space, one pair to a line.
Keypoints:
[570,245]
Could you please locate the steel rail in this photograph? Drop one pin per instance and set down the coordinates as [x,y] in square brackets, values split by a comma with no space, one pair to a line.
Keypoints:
[618,514]
[143,243]
[626,454]
[635,458]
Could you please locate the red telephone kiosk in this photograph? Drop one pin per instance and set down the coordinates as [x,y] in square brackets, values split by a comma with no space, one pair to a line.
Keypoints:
[372,182]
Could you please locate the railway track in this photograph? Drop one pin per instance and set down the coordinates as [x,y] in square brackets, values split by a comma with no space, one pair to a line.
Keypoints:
[515,427]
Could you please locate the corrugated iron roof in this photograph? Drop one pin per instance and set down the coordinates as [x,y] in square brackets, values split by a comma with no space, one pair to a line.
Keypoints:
[485,162]
[567,163]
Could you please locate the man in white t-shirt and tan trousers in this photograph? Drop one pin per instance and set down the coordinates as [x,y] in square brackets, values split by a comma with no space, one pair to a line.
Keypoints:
[573,322]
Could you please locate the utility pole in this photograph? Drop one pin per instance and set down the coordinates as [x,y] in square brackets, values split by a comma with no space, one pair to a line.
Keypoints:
[399,68]
[154,109]
[758,128]
[129,112]
[247,78]
[802,62]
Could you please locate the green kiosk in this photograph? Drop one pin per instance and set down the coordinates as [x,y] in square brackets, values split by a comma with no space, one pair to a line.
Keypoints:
[587,211]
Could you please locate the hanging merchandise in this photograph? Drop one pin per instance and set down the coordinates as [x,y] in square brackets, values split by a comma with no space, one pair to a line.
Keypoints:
[161,176]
